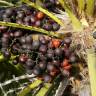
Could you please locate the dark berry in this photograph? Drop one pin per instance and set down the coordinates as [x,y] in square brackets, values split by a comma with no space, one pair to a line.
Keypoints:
[38,23]
[19,21]
[35,44]
[56,27]
[47,78]
[56,63]
[42,65]
[36,71]
[42,39]
[22,40]
[50,66]
[29,39]
[67,40]
[9,11]
[73,59]
[7,54]
[67,53]
[43,49]
[29,63]
[23,58]
[18,33]
[20,14]
[47,27]
[32,19]
[27,19]
[29,47]
[42,57]
[94,35]
[50,53]
[24,46]
[58,51]
[15,62]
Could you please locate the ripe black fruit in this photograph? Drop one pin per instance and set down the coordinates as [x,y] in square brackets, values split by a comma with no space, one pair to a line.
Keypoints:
[42,65]
[7,54]
[35,44]
[58,51]
[67,40]
[42,39]
[56,27]
[50,66]
[43,49]
[36,71]
[50,53]
[94,35]
[73,59]
[22,40]
[15,62]
[29,39]
[29,63]
[47,78]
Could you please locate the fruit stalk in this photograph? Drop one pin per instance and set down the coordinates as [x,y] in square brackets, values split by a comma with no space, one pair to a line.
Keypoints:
[9,24]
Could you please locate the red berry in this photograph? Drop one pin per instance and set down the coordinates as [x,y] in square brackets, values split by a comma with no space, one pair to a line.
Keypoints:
[65,63]
[23,58]
[40,15]
[67,67]
[56,43]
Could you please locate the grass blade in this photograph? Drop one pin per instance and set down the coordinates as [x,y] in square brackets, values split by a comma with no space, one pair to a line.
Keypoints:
[90,7]
[44,11]
[92,69]
[75,22]
[29,88]
[44,90]
[29,28]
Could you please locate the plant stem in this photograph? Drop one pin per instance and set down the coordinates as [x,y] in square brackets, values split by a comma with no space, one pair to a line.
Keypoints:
[6,3]
[50,33]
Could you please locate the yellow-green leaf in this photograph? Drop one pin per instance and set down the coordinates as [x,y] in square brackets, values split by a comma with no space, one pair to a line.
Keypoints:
[75,22]
[81,5]
[92,69]
[25,91]
[44,11]
[44,90]
[90,7]
[2,2]
[29,28]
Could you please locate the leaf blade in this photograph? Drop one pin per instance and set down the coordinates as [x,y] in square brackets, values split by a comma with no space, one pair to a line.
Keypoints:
[90,7]
[44,90]
[40,30]
[30,87]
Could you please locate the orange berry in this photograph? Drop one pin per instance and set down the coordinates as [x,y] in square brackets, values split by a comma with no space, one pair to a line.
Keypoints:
[65,63]
[67,67]
[56,43]
[40,15]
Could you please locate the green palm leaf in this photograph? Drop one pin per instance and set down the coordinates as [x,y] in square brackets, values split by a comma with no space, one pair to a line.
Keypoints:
[75,22]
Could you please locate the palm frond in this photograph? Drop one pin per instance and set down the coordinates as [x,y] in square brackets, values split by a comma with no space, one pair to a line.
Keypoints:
[75,22]
[90,7]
